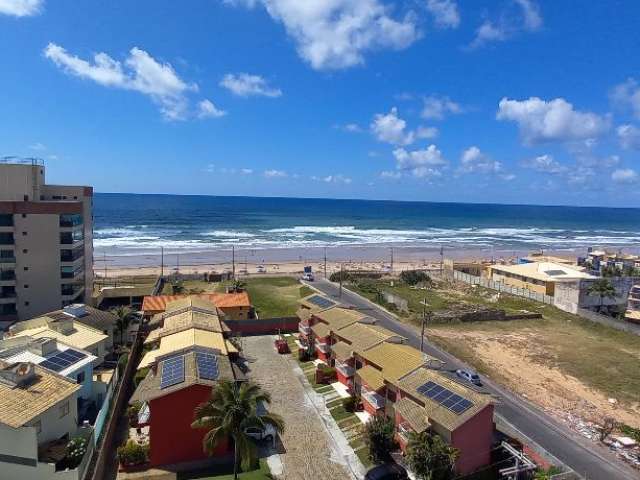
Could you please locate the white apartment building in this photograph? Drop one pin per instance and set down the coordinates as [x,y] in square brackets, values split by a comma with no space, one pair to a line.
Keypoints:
[46,242]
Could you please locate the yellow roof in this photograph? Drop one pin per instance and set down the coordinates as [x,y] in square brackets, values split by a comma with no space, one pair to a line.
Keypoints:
[304,314]
[184,321]
[321,330]
[395,360]
[370,376]
[194,302]
[193,337]
[544,271]
[632,314]
[20,405]
[341,350]
[361,336]
[79,336]
[413,414]
[433,410]
[340,317]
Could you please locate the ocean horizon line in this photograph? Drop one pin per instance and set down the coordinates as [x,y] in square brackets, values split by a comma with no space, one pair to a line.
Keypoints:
[428,202]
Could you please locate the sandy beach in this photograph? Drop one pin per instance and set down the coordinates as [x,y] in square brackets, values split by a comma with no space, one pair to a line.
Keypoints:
[292,261]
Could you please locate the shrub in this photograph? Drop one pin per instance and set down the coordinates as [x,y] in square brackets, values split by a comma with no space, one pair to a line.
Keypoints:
[133,453]
[379,438]
[132,413]
[326,370]
[413,277]
[350,404]
[140,375]
[336,276]
[76,450]
[122,363]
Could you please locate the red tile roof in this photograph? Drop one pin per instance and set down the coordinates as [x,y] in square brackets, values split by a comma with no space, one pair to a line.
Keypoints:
[221,300]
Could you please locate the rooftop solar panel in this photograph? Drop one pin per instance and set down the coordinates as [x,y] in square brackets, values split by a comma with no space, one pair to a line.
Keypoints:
[445,397]
[321,301]
[172,372]
[207,365]
[62,359]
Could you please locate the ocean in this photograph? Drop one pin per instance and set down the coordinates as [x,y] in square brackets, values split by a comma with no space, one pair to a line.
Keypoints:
[132,224]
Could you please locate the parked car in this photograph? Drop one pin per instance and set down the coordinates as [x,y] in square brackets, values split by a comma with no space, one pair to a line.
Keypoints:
[388,471]
[470,377]
[262,269]
[261,434]
[308,277]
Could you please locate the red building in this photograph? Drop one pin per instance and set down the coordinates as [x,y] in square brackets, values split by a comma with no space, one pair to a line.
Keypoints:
[172,390]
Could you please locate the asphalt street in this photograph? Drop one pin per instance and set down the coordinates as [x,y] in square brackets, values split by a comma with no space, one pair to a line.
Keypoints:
[567,446]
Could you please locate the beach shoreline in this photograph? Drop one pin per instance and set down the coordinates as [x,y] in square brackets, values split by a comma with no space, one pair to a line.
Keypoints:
[292,260]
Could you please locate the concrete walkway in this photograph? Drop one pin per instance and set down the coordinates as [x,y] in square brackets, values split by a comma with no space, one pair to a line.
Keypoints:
[311,449]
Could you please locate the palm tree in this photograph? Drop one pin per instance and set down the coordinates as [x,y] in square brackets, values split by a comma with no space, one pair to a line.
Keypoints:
[237,286]
[230,410]
[602,288]
[124,315]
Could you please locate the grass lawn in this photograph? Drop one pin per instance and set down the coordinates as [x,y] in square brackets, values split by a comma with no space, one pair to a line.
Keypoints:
[226,473]
[273,296]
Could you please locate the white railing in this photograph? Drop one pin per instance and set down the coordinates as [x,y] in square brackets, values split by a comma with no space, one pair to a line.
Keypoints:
[373,398]
[404,430]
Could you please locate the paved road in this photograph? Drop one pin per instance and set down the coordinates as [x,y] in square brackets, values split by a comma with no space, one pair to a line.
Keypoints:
[565,445]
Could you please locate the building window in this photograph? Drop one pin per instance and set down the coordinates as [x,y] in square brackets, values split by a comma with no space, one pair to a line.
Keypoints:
[26,286]
[24,215]
[38,426]
[24,250]
[26,198]
[26,304]
[24,234]
[26,269]
[80,377]
[64,409]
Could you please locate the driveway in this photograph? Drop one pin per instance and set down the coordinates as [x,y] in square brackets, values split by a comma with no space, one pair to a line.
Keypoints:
[309,449]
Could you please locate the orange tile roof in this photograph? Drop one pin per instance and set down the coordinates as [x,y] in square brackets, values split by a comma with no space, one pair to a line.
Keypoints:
[221,300]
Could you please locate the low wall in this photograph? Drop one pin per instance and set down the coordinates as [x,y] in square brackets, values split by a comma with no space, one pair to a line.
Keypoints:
[264,326]
[609,321]
[501,287]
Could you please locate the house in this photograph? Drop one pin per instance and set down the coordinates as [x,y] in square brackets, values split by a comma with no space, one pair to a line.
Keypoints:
[234,306]
[427,399]
[171,391]
[101,320]
[38,416]
[378,367]
[68,330]
[539,277]
[633,305]
[53,355]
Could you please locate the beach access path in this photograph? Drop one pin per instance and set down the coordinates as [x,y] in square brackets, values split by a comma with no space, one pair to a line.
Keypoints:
[541,429]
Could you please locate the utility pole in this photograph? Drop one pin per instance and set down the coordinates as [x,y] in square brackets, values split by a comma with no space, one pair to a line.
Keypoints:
[340,294]
[424,322]
[233,262]
[104,260]
[441,260]
[325,263]
[161,262]
[391,260]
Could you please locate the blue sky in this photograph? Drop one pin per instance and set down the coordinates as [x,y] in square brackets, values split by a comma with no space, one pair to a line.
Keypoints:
[507,101]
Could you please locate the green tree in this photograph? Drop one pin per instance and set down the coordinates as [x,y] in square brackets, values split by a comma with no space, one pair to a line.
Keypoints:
[379,438]
[230,410]
[602,288]
[414,277]
[429,457]
[237,286]
[124,316]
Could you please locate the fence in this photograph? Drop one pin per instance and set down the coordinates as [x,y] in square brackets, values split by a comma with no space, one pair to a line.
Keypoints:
[609,321]
[101,418]
[501,287]
[263,326]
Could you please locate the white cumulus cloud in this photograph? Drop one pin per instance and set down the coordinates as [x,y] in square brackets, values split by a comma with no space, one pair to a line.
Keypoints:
[420,163]
[524,17]
[546,164]
[246,85]
[627,96]
[206,109]
[629,136]
[436,107]
[335,34]
[473,160]
[625,175]
[140,72]
[445,13]
[275,173]
[542,121]
[390,128]
[21,8]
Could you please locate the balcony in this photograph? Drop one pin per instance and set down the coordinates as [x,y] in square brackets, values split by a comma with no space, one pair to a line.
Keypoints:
[70,273]
[72,238]
[6,220]
[6,238]
[7,275]
[304,329]
[71,255]
[323,346]
[374,399]
[71,220]
[345,369]
[71,292]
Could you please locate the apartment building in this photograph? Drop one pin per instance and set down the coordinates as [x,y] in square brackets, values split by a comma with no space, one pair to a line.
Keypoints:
[46,246]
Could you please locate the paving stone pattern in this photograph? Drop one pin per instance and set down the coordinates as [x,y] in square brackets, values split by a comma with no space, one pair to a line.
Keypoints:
[310,452]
